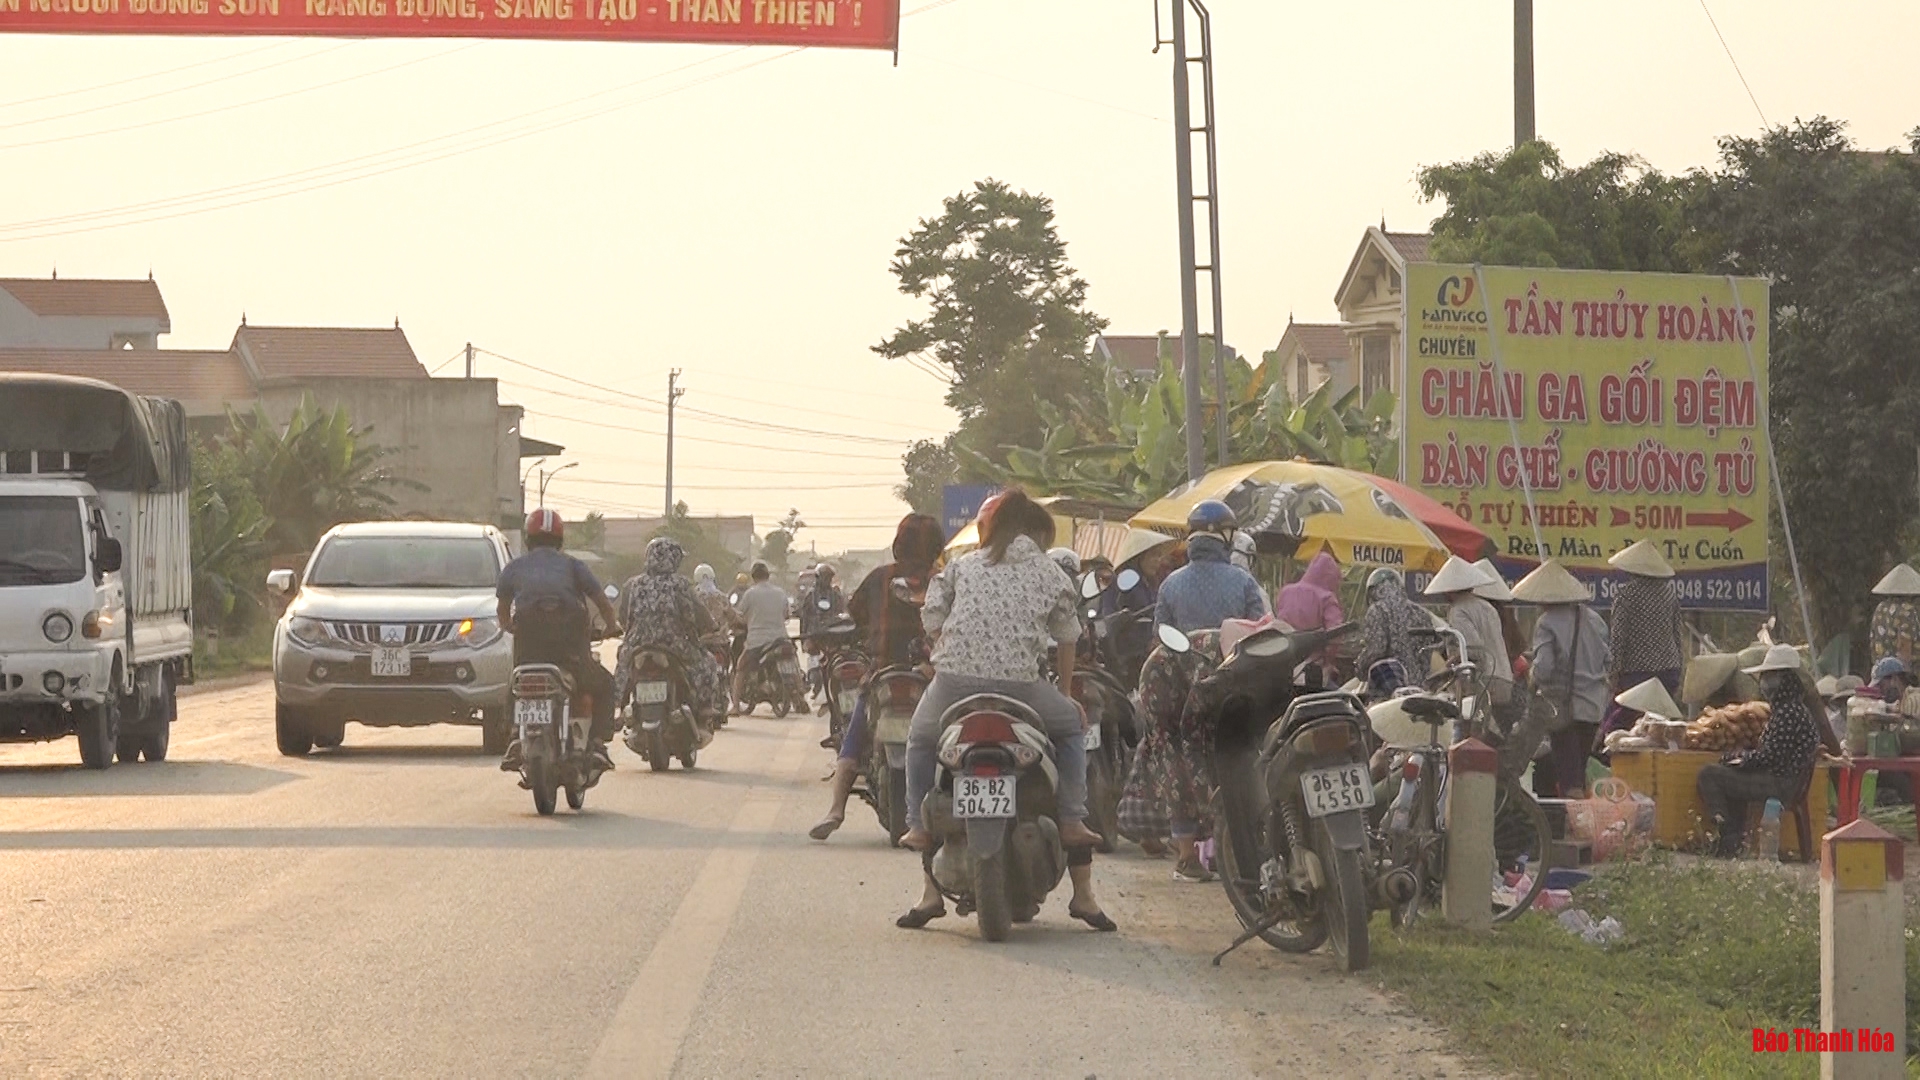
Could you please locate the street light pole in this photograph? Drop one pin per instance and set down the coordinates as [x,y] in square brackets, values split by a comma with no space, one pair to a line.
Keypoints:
[546,476]
[673,395]
[1523,129]
[524,476]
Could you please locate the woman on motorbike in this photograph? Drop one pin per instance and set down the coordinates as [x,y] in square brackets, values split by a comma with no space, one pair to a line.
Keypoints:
[994,613]
[661,611]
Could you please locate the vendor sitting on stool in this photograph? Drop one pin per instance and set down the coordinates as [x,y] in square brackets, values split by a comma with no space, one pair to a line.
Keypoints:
[1779,768]
[1892,680]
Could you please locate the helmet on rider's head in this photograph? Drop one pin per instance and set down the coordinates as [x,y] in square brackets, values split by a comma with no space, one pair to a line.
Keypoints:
[545,529]
[1386,575]
[703,574]
[1244,549]
[742,580]
[1068,560]
[823,574]
[1212,517]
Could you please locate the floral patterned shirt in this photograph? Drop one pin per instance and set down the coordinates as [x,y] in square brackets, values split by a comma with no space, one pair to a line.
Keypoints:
[997,620]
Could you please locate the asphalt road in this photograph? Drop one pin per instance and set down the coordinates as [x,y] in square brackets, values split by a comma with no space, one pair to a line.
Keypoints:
[395,908]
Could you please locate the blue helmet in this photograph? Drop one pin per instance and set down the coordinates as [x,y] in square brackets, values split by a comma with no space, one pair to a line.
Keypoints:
[1887,667]
[1211,516]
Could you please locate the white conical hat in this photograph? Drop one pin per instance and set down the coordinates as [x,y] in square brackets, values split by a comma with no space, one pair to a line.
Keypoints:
[1902,580]
[1459,575]
[1642,560]
[1651,697]
[1778,658]
[1496,589]
[1551,583]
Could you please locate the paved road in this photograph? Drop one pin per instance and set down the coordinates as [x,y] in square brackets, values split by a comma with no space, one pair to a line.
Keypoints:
[395,908]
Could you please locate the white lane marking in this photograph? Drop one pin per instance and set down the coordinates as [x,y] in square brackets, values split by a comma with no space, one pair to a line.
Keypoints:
[644,1037]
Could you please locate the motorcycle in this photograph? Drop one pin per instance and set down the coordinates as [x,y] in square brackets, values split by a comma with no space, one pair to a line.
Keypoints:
[844,668]
[993,811]
[553,718]
[661,725]
[893,693]
[1108,631]
[1113,728]
[773,676]
[1294,791]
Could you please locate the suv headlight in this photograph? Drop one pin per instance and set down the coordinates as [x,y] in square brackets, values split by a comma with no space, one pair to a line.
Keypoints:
[58,627]
[478,633]
[307,631]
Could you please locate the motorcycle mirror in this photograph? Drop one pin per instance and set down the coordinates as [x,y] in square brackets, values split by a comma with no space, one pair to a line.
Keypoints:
[1089,587]
[734,599]
[1128,579]
[1172,639]
[611,592]
[1093,613]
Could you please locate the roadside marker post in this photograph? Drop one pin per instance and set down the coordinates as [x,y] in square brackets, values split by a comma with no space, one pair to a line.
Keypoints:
[1467,890]
[1863,950]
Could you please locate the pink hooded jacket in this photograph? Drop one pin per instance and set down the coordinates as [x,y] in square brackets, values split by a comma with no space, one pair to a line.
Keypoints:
[1313,602]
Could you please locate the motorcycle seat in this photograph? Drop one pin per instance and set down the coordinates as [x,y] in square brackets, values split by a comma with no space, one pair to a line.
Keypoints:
[1310,707]
[1429,709]
[967,706]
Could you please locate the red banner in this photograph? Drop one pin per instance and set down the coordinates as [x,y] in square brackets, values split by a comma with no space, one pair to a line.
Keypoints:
[844,24]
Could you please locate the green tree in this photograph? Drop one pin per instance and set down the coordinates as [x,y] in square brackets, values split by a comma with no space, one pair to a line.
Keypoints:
[930,466]
[590,532]
[1007,319]
[775,550]
[228,533]
[316,472]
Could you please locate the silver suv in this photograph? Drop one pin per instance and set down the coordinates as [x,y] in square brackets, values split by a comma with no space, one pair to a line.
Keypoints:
[393,625]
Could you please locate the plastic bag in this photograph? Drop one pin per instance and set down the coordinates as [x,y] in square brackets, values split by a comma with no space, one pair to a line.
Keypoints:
[1616,821]
[1605,932]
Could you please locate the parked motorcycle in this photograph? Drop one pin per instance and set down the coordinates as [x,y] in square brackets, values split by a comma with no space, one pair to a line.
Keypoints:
[773,676]
[1113,727]
[661,725]
[994,811]
[1110,642]
[1290,818]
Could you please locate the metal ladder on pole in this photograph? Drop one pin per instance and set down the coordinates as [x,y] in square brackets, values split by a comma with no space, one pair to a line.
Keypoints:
[1192,268]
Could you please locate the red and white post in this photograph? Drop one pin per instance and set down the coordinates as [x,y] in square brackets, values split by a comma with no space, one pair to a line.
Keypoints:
[1863,952]
[1466,894]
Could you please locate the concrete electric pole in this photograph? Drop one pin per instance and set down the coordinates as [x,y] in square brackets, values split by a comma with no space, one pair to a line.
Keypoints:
[469,359]
[1523,130]
[673,395]
[1189,288]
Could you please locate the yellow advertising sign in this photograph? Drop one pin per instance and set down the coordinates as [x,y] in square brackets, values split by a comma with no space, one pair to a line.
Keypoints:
[1624,401]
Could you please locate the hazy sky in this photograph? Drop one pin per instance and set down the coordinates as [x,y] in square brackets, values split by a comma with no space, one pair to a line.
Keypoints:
[735,218]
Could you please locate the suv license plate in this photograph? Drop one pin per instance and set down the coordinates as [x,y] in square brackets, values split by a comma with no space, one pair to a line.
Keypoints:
[650,693]
[1330,791]
[391,663]
[983,796]
[533,712]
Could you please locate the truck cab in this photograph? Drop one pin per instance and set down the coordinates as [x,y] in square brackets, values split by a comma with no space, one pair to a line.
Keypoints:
[62,607]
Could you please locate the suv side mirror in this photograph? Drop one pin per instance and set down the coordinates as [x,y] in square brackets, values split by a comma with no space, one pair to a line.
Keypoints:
[107,555]
[279,582]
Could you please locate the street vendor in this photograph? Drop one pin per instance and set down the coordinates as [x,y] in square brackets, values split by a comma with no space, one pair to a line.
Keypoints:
[1891,681]
[1895,631]
[1478,624]
[1779,768]
[1645,639]
[1569,671]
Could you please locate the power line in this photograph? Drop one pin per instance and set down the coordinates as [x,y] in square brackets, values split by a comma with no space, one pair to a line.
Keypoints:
[717,442]
[1736,64]
[230,76]
[97,87]
[737,487]
[448,360]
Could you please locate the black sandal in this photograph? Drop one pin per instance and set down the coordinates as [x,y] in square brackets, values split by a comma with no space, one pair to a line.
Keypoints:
[915,918]
[1098,920]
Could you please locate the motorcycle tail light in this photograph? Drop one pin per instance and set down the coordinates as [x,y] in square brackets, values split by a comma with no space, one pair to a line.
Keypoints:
[1410,769]
[987,727]
[1325,739]
[535,684]
[850,674]
[1024,755]
[953,755]
[984,770]
[900,693]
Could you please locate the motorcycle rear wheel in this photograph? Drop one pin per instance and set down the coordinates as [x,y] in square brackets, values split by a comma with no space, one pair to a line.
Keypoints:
[993,905]
[1249,906]
[657,757]
[576,796]
[1103,800]
[1344,901]
[780,708]
[540,779]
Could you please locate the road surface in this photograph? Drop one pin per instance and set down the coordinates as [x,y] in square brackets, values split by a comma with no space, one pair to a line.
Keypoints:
[395,908]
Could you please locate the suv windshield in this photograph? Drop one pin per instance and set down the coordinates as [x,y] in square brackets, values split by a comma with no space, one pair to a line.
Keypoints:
[406,562]
[41,541]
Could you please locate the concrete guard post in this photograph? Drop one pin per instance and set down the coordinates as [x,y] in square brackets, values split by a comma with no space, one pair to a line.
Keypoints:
[1863,949]
[1466,894]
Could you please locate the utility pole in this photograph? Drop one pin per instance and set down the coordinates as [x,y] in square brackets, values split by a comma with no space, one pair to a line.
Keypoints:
[469,359]
[546,476]
[1523,130]
[1189,288]
[673,395]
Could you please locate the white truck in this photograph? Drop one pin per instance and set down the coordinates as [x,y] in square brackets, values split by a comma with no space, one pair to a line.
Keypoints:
[96,576]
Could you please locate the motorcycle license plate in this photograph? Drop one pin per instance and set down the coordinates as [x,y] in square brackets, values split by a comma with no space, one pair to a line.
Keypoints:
[789,668]
[848,699]
[533,712]
[1093,737]
[391,663]
[650,693]
[1330,791]
[983,796]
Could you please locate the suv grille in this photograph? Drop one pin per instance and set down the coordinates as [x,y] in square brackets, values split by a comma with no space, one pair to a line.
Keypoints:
[368,633]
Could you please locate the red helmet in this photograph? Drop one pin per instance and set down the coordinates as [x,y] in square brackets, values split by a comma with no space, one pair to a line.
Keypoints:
[545,522]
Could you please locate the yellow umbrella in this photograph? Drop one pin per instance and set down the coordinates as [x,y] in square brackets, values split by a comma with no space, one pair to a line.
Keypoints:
[1108,537]
[1300,509]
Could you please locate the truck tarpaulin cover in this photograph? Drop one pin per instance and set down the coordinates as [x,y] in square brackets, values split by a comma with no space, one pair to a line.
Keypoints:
[135,443]
[847,24]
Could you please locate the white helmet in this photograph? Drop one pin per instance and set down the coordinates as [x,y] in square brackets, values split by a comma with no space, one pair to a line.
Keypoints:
[703,574]
[1068,560]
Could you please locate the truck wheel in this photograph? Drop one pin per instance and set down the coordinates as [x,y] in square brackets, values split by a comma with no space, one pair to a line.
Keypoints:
[290,731]
[160,728]
[98,730]
[495,732]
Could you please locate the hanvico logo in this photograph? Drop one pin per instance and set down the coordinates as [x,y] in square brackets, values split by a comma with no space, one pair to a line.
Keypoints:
[1455,305]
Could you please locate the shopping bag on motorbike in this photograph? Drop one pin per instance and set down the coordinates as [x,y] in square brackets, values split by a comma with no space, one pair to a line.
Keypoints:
[1615,820]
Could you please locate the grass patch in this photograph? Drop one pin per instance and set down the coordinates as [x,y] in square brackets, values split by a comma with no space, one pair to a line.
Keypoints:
[1712,951]
[239,653]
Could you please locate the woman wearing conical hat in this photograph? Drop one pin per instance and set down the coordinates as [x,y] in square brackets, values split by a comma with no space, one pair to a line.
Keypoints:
[1646,637]
[1896,618]
[1459,582]
[1569,671]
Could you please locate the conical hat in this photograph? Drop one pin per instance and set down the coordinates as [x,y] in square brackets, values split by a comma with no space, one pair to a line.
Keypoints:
[1495,590]
[1642,560]
[1902,580]
[1459,575]
[1651,697]
[1706,674]
[1778,658]
[1551,583]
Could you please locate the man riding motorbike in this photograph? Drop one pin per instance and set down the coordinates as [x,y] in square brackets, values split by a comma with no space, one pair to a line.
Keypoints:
[662,612]
[764,608]
[814,618]
[543,600]
[889,626]
[1210,589]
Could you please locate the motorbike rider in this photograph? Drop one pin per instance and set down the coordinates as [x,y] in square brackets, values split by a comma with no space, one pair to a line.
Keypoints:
[995,612]
[544,597]
[735,624]
[1387,634]
[1210,589]
[662,612]
[889,626]
[814,618]
[712,599]
[764,609]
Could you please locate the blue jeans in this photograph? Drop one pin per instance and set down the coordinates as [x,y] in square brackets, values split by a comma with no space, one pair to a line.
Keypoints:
[1058,715]
[857,739]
